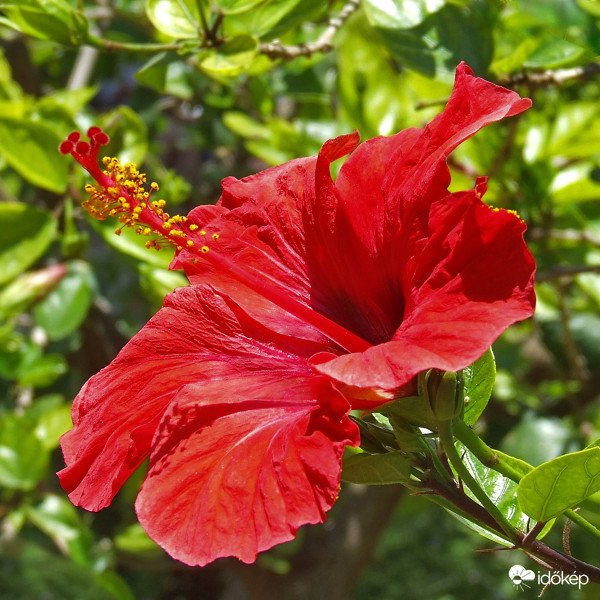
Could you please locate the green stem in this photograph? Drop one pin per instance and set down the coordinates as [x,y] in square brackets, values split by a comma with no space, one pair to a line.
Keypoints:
[583,523]
[487,456]
[447,441]
[495,460]
[102,44]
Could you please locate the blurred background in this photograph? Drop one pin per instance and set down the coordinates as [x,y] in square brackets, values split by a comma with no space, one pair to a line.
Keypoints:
[196,90]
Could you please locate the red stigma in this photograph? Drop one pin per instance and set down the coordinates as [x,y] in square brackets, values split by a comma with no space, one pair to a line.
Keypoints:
[86,153]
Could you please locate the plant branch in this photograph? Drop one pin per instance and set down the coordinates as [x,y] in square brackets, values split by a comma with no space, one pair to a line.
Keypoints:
[324,43]
[447,441]
[110,45]
[534,548]
[566,271]
[496,461]
[549,77]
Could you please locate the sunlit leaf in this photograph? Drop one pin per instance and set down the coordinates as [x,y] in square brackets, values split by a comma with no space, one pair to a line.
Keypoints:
[30,149]
[231,58]
[560,484]
[132,244]
[46,19]
[175,18]
[63,310]
[26,234]
[232,7]
[23,460]
[479,382]
[400,14]
[501,491]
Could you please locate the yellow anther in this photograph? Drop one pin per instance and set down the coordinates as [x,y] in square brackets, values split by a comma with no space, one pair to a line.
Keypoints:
[203,232]
[215,236]
[193,227]
[154,186]
[147,231]
[190,243]
[205,249]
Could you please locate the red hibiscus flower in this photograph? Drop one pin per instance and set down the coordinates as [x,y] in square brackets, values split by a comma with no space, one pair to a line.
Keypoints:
[308,298]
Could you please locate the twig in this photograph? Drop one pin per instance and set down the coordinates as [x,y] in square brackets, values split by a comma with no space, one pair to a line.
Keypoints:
[566,272]
[111,45]
[83,67]
[324,43]
[568,235]
[535,79]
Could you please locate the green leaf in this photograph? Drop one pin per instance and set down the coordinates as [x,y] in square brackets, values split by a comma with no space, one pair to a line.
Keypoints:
[132,244]
[264,18]
[167,74]
[400,14]
[175,18]
[446,37]
[31,149]
[42,370]
[23,460]
[157,283]
[231,58]
[245,126]
[64,309]
[26,234]
[377,469]
[554,52]
[9,88]
[134,540]
[115,585]
[52,423]
[232,7]
[560,484]
[501,490]
[412,409]
[575,183]
[128,135]
[46,19]
[59,519]
[479,382]
[35,573]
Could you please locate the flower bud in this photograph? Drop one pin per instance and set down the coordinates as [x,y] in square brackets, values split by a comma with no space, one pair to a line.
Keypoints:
[29,287]
[445,393]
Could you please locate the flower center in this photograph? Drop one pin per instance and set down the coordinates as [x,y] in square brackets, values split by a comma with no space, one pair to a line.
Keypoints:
[120,192]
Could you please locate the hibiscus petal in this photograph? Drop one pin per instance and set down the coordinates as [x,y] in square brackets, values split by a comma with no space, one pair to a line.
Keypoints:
[341,248]
[465,283]
[386,176]
[197,335]
[239,464]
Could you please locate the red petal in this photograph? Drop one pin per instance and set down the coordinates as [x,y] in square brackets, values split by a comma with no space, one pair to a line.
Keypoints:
[196,336]
[465,283]
[240,463]
[342,248]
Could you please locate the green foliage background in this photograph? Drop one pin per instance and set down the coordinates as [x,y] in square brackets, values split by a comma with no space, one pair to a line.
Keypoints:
[195,90]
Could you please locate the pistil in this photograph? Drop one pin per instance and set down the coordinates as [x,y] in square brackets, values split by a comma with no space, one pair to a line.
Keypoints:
[120,193]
